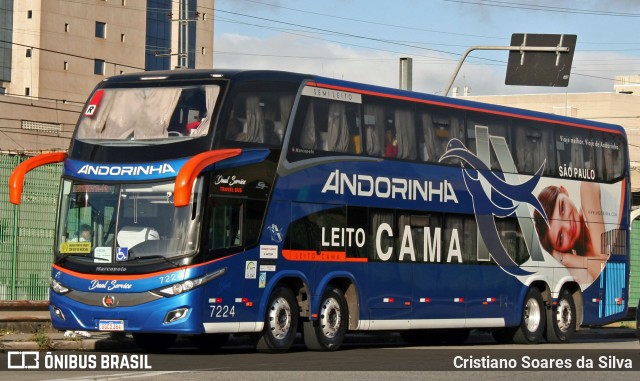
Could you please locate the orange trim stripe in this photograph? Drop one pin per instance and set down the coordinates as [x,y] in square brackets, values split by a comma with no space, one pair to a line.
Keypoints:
[128,277]
[322,256]
[115,276]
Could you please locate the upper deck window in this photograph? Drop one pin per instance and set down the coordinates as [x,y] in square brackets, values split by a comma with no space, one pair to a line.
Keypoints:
[151,114]
[259,113]
[327,121]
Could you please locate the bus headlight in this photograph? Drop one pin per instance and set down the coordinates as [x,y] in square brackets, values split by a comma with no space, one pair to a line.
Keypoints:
[57,287]
[189,284]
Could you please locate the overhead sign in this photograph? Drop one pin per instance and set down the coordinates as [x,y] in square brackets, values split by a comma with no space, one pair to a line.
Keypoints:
[548,67]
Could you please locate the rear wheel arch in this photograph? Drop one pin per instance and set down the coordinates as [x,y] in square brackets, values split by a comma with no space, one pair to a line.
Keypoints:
[350,291]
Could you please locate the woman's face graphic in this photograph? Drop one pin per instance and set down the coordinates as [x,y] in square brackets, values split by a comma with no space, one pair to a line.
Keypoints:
[565,225]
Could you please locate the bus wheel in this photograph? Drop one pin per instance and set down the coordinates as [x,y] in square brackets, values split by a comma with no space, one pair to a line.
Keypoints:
[328,332]
[532,326]
[154,342]
[209,342]
[281,322]
[561,323]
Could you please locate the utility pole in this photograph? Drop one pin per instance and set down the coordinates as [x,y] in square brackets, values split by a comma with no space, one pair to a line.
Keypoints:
[406,73]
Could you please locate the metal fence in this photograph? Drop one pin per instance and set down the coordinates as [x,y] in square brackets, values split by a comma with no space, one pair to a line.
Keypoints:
[27,232]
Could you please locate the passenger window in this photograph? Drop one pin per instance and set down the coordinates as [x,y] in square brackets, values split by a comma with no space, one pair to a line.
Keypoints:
[610,155]
[459,239]
[534,147]
[512,239]
[315,231]
[377,218]
[193,112]
[260,114]
[576,153]
[359,242]
[330,126]
[390,129]
[437,129]
[497,129]
[426,235]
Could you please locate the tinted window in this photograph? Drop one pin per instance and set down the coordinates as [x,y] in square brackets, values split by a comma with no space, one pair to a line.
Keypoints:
[498,139]
[329,126]
[260,113]
[390,129]
[534,147]
[437,127]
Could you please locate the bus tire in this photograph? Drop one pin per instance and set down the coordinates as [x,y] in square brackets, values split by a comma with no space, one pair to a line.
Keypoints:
[154,342]
[561,322]
[209,342]
[328,332]
[534,315]
[280,323]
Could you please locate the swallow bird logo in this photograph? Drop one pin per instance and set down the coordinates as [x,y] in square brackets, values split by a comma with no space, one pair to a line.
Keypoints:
[500,199]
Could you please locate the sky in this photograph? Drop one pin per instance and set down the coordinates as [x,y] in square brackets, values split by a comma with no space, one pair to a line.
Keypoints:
[363,40]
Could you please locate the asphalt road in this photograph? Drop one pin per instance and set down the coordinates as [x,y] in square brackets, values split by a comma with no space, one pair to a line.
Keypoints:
[366,357]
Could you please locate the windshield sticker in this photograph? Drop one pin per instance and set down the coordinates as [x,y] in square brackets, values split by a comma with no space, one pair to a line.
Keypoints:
[93,104]
[102,254]
[122,254]
[262,282]
[75,248]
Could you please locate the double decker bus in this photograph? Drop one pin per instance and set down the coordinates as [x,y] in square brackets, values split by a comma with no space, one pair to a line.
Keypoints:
[211,203]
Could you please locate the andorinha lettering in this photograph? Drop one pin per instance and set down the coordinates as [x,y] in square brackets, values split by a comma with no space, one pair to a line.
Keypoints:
[126,170]
[385,187]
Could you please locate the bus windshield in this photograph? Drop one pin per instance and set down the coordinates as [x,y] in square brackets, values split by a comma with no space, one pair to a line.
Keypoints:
[155,114]
[114,223]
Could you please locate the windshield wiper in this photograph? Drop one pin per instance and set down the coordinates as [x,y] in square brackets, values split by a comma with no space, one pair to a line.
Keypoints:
[134,259]
[66,256]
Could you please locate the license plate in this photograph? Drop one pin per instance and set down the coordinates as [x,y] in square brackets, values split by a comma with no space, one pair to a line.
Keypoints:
[111,325]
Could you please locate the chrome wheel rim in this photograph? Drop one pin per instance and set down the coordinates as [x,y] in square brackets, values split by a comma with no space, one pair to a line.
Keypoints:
[532,315]
[564,315]
[330,318]
[280,318]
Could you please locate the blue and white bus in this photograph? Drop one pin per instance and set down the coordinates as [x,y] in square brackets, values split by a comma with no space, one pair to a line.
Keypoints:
[210,203]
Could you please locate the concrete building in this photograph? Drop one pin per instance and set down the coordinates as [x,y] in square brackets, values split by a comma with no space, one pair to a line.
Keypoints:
[53,52]
[622,107]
